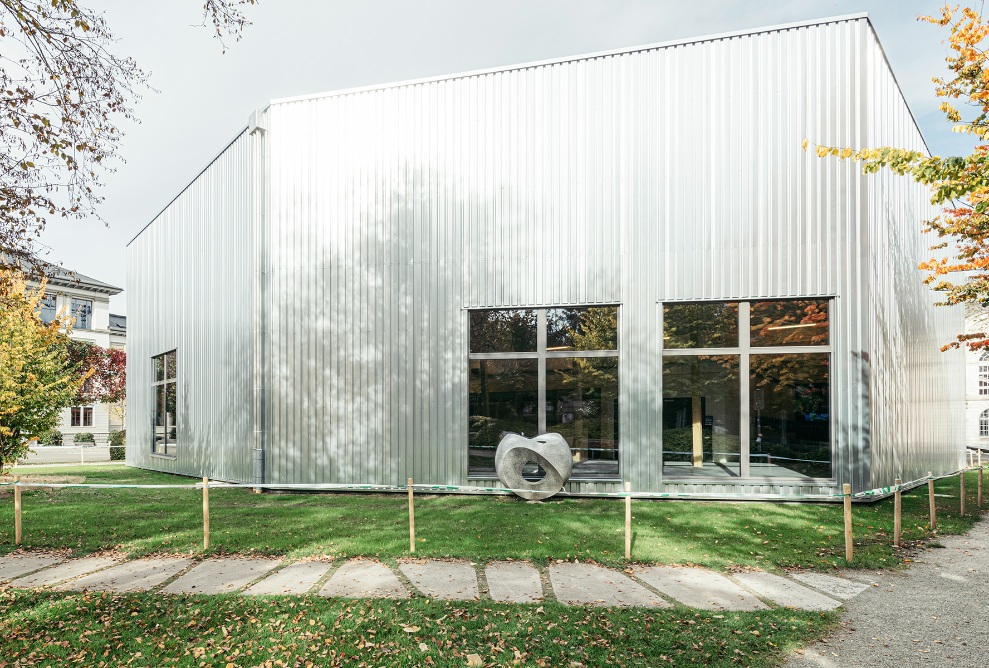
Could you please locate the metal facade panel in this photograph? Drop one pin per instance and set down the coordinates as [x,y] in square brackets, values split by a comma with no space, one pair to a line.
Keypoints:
[916,392]
[189,278]
[633,178]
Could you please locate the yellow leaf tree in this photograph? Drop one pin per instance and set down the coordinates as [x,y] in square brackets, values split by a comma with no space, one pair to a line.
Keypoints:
[37,378]
[960,184]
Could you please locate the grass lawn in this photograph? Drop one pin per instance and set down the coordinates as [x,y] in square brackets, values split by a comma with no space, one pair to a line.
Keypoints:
[722,536]
[95,629]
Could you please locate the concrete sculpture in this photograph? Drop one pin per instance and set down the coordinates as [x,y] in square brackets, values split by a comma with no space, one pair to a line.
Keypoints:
[550,451]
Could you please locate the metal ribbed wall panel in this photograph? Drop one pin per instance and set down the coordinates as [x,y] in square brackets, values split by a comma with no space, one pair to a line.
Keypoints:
[917,393]
[189,278]
[670,173]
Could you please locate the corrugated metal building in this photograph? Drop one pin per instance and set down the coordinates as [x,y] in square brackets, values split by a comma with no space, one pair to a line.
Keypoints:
[629,248]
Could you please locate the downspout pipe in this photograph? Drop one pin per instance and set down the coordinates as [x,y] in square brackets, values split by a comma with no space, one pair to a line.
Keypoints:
[257,132]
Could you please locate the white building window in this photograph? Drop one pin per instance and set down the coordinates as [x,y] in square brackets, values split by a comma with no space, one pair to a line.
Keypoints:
[984,374]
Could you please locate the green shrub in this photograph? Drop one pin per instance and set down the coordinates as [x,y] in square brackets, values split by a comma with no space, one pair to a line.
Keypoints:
[84,437]
[53,437]
[118,439]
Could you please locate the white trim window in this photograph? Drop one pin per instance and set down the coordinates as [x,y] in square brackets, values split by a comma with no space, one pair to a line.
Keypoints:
[984,374]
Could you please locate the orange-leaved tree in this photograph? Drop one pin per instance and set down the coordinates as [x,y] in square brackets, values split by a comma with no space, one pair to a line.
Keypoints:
[960,184]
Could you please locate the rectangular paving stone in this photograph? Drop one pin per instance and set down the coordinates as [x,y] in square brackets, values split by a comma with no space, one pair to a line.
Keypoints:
[786,592]
[363,578]
[14,565]
[699,588]
[514,582]
[587,584]
[64,571]
[296,578]
[138,575]
[830,585]
[443,580]
[220,576]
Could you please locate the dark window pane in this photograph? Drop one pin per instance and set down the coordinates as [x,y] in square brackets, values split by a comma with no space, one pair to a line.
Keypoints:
[590,328]
[582,406]
[76,416]
[701,325]
[87,416]
[82,311]
[170,417]
[798,322]
[701,409]
[171,363]
[503,331]
[47,308]
[159,421]
[503,397]
[159,363]
[791,416]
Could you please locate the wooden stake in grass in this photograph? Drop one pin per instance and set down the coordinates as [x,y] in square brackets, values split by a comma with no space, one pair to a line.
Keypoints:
[980,485]
[628,520]
[205,513]
[846,490]
[17,511]
[897,514]
[961,494]
[930,496]
[412,520]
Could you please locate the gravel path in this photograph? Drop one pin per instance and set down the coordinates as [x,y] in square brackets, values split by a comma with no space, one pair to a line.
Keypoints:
[934,614]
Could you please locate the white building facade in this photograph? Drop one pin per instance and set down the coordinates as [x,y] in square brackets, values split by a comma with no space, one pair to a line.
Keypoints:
[87,300]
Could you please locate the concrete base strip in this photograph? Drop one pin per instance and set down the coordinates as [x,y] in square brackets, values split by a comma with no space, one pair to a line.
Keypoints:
[514,582]
[586,584]
[138,575]
[12,566]
[786,592]
[699,588]
[363,578]
[295,579]
[220,576]
[64,571]
[444,580]
[830,585]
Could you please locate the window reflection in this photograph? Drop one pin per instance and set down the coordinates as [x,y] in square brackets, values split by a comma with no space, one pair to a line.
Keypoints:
[589,328]
[700,325]
[790,412]
[503,398]
[503,331]
[82,311]
[797,322]
[701,409]
[582,406]
[165,406]
[47,308]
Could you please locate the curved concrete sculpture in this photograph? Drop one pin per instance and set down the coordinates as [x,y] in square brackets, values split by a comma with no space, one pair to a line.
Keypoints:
[550,451]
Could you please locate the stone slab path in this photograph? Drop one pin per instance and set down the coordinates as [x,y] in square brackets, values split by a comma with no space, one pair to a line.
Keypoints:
[507,581]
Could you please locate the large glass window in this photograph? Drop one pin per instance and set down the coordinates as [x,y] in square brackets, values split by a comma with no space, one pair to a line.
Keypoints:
[82,416]
[82,311]
[746,389]
[534,371]
[164,393]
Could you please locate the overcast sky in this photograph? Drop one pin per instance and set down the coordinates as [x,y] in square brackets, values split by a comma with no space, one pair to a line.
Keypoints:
[297,47]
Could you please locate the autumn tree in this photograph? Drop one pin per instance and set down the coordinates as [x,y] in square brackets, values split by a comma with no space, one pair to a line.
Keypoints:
[37,377]
[63,93]
[107,371]
[958,183]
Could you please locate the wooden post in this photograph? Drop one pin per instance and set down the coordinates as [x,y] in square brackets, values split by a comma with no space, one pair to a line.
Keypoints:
[205,513]
[961,494]
[930,495]
[17,512]
[628,520]
[697,432]
[412,520]
[846,489]
[980,486]
[897,514]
